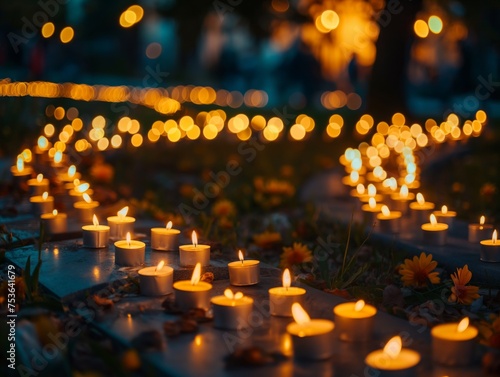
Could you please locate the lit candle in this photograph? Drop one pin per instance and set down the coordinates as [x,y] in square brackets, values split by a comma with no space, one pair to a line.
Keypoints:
[393,360]
[434,233]
[282,298]
[129,252]
[311,338]
[371,192]
[38,185]
[400,199]
[244,272]
[42,203]
[70,175]
[85,208]
[232,311]
[121,224]
[481,231]
[445,215]
[19,170]
[421,209]
[389,221]
[371,209]
[190,255]
[54,222]
[453,344]
[95,236]
[193,293]
[77,192]
[156,280]
[358,191]
[57,160]
[354,321]
[490,249]
[352,179]
[164,238]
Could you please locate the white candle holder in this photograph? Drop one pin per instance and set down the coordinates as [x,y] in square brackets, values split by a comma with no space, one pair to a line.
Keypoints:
[451,348]
[85,210]
[189,255]
[231,314]
[95,236]
[354,325]
[313,340]
[281,300]
[189,296]
[490,249]
[164,239]
[119,226]
[434,234]
[156,283]
[246,272]
[40,205]
[401,364]
[54,223]
[129,253]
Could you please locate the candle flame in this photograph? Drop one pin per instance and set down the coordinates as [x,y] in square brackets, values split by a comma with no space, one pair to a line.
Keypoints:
[195,278]
[444,210]
[372,203]
[359,305]
[42,142]
[71,171]
[420,199]
[233,296]
[433,219]
[360,188]
[462,326]
[393,184]
[39,178]
[94,220]
[58,157]
[482,220]
[494,236]
[287,279]
[194,238]
[393,347]
[403,192]
[54,212]
[20,164]
[169,225]
[299,314]
[372,190]
[386,211]
[240,256]
[83,187]
[45,195]
[86,197]
[123,212]
[354,176]
[160,266]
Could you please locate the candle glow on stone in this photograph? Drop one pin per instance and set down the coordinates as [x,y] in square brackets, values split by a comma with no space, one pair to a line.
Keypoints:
[195,278]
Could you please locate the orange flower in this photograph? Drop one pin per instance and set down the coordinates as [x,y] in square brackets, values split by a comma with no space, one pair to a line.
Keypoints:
[266,239]
[462,293]
[418,272]
[296,254]
[223,208]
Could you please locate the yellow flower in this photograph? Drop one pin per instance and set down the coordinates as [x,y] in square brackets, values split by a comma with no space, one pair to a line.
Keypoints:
[266,239]
[418,272]
[223,208]
[296,254]
[462,293]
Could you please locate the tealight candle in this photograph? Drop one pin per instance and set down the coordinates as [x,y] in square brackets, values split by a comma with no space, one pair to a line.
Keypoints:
[54,222]
[42,203]
[129,252]
[156,280]
[95,236]
[70,175]
[311,338]
[400,200]
[19,170]
[352,179]
[38,185]
[232,310]
[359,191]
[445,216]
[164,238]
[481,231]
[121,224]
[354,321]
[193,293]
[244,272]
[393,360]
[371,209]
[490,249]
[454,344]
[282,298]
[434,233]
[371,193]
[421,209]
[190,255]
[389,221]
[85,208]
